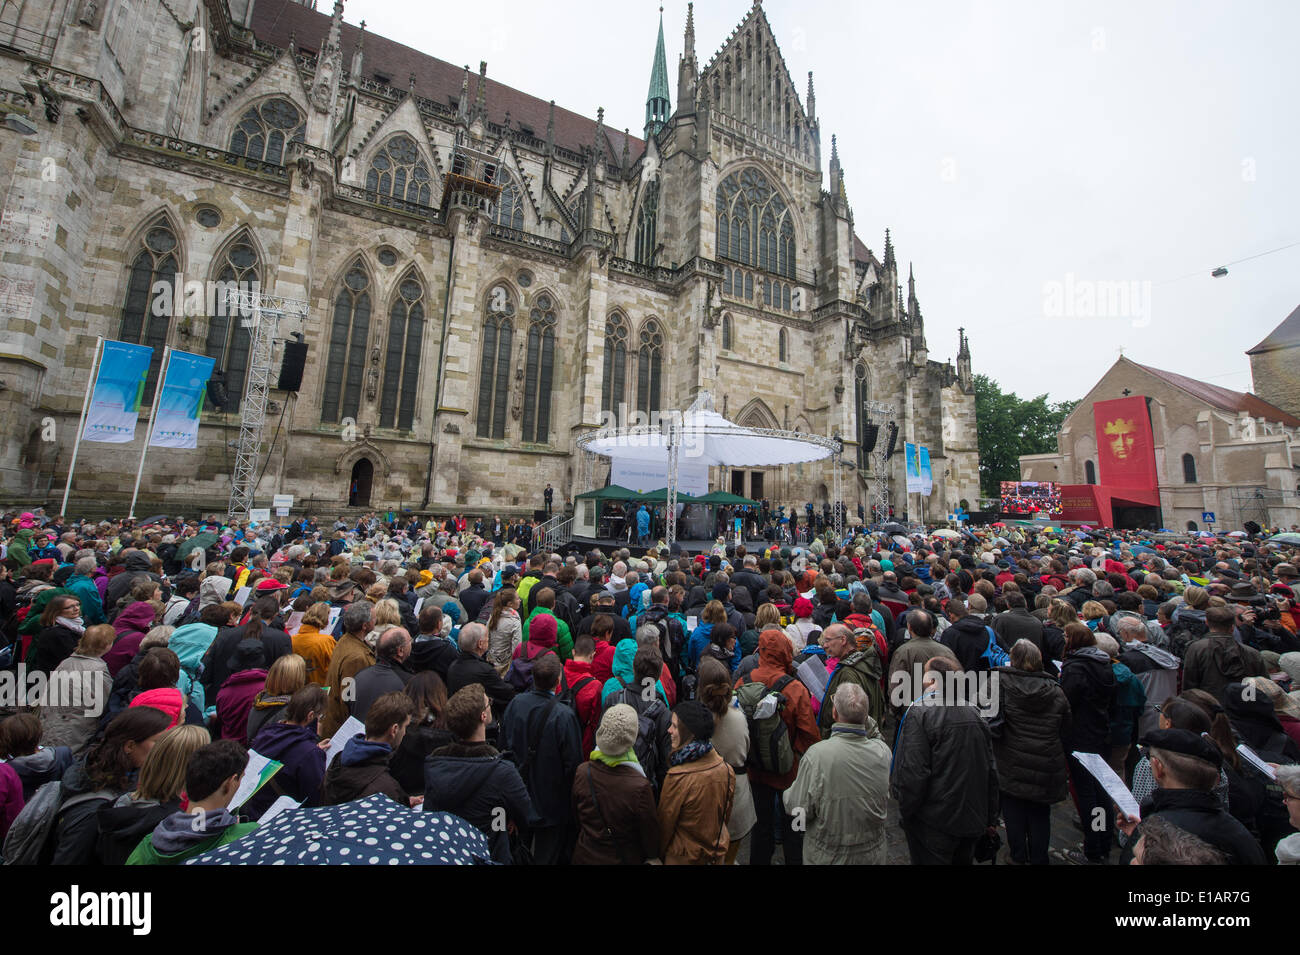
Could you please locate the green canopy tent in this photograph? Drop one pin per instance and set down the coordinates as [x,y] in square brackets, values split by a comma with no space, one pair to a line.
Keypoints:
[612,493]
[660,496]
[723,497]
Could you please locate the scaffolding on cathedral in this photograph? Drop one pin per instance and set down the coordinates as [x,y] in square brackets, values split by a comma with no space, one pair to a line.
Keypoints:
[702,432]
[262,314]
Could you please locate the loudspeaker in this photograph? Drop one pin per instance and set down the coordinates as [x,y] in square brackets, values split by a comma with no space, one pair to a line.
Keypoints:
[295,359]
[540,516]
[869,434]
[217,396]
[893,439]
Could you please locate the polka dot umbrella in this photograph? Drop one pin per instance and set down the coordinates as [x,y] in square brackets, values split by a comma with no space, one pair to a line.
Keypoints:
[370,831]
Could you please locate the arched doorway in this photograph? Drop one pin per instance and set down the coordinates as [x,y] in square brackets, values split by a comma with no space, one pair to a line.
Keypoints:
[363,474]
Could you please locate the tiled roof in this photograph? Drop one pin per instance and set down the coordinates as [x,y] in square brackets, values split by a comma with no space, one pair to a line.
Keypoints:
[1225,399]
[1286,335]
[860,251]
[274,21]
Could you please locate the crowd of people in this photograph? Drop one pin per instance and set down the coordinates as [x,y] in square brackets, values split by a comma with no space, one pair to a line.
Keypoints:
[941,692]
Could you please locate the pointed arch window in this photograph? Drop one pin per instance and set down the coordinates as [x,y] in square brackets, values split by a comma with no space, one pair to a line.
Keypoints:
[726,332]
[345,366]
[755,227]
[783,346]
[645,224]
[494,366]
[397,170]
[1189,469]
[155,261]
[539,370]
[264,130]
[649,363]
[229,342]
[510,206]
[402,365]
[612,388]
[1089,472]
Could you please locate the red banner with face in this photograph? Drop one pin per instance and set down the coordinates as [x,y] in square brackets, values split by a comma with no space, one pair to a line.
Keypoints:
[1125,448]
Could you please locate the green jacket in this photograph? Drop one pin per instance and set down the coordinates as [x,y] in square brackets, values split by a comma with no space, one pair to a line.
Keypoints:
[563,639]
[145,854]
[18,547]
[863,668]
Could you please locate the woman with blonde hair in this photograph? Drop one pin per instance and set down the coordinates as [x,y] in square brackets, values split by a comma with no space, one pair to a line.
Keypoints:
[505,631]
[1093,613]
[313,644]
[78,685]
[157,794]
[383,618]
[286,677]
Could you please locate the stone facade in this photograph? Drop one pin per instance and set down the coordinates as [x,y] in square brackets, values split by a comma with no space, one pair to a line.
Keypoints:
[127,120]
[1244,452]
[1275,365]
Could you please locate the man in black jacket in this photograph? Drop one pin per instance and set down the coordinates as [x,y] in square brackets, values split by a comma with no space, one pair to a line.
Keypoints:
[545,738]
[473,597]
[944,776]
[1186,768]
[967,637]
[431,650]
[361,768]
[388,674]
[1019,624]
[470,779]
[473,667]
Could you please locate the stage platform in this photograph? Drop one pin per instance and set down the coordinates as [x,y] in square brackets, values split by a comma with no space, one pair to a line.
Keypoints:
[581,545]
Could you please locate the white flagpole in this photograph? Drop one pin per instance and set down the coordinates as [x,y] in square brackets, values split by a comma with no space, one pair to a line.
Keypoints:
[81,424]
[153,413]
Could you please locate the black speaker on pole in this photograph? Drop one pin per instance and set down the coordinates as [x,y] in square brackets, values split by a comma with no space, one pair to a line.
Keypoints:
[869,434]
[893,439]
[217,396]
[291,367]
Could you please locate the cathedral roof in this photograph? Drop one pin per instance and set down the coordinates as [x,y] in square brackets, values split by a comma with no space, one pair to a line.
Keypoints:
[275,21]
[1225,399]
[1286,335]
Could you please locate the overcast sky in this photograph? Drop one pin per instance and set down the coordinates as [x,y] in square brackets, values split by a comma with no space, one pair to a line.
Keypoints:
[1020,152]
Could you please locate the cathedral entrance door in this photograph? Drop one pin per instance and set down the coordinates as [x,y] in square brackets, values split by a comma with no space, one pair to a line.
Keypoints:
[363,473]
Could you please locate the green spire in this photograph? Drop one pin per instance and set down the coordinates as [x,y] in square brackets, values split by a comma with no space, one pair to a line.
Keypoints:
[658,103]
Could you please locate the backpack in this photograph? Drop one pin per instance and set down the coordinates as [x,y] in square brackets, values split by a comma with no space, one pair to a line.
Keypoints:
[569,695]
[521,670]
[671,634]
[646,746]
[993,653]
[29,837]
[1185,634]
[769,739]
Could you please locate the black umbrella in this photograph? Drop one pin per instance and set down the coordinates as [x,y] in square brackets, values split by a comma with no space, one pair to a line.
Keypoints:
[893,527]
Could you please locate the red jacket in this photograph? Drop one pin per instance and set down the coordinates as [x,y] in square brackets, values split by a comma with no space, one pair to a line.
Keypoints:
[775,657]
[235,701]
[588,701]
[602,664]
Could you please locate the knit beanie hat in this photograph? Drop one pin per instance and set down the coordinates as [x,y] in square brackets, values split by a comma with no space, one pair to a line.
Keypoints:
[617,731]
[695,718]
[803,607]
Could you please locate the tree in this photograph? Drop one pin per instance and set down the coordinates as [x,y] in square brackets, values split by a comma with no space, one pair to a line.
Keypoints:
[1009,427]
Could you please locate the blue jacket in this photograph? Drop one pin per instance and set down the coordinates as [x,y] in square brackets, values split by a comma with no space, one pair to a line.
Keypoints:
[643,521]
[190,643]
[624,653]
[84,589]
[700,639]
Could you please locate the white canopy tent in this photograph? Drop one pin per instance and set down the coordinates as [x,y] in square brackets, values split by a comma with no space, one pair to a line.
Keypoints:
[700,432]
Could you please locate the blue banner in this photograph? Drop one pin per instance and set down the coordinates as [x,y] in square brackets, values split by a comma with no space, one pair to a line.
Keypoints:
[181,401]
[119,386]
[913,459]
[927,479]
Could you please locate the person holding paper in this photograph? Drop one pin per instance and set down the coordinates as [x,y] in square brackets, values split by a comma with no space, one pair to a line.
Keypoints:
[1186,769]
[211,779]
[313,644]
[351,656]
[362,767]
[293,743]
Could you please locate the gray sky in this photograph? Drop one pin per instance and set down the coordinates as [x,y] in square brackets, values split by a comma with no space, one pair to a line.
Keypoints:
[1020,152]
